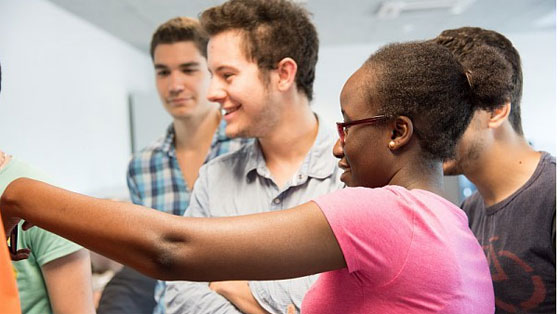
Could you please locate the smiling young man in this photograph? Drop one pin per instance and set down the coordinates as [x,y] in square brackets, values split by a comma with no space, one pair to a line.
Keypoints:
[162,175]
[262,57]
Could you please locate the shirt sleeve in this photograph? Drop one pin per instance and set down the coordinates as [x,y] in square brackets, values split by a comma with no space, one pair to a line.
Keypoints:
[132,185]
[47,246]
[374,229]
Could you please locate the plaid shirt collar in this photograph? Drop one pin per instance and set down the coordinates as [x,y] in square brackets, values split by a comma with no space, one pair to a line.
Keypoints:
[167,146]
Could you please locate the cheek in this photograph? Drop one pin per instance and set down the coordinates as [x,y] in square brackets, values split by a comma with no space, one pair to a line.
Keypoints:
[368,165]
[161,86]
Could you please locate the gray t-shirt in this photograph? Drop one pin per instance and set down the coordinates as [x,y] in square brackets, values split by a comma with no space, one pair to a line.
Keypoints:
[238,184]
[517,236]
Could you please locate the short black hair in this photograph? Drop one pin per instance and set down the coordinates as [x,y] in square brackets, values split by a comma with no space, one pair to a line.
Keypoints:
[463,41]
[426,83]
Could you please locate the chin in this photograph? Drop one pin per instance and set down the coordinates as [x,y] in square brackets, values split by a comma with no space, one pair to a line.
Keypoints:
[347,181]
[451,168]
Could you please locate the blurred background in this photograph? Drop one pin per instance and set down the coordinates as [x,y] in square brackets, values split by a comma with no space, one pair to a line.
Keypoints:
[78,94]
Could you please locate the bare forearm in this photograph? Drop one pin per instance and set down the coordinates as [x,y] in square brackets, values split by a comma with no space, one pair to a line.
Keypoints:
[171,247]
[68,281]
[117,230]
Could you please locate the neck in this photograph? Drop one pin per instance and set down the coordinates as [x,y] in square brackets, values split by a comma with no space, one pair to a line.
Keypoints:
[293,136]
[196,130]
[287,143]
[423,174]
[503,168]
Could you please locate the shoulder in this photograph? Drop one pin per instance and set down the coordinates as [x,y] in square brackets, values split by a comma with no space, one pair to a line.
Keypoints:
[361,204]
[18,169]
[46,246]
[232,160]
[548,163]
[148,154]
[472,204]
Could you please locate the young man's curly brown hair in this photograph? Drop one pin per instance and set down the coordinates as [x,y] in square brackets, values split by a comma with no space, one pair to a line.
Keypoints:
[271,30]
[426,83]
[463,41]
[180,29]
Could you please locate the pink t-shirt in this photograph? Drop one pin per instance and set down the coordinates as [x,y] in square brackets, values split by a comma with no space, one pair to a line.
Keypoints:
[406,252]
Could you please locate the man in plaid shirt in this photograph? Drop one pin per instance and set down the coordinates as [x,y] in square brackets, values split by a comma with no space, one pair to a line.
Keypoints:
[162,175]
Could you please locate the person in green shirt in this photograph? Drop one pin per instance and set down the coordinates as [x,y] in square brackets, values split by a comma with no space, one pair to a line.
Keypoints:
[56,275]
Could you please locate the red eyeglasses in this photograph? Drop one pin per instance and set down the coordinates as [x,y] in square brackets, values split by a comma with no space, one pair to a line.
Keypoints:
[342,127]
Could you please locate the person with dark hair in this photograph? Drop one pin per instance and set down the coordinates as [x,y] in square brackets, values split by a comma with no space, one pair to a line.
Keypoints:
[514,209]
[162,175]
[262,56]
[388,243]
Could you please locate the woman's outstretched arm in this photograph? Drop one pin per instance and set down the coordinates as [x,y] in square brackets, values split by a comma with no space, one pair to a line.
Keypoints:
[275,245]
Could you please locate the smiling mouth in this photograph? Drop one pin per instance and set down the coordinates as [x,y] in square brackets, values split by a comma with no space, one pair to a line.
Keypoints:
[227,111]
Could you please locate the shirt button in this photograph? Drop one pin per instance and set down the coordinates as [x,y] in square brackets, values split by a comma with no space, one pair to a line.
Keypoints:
[276,201]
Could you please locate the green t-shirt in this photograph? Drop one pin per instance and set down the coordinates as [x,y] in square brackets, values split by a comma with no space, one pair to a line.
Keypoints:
[45,247]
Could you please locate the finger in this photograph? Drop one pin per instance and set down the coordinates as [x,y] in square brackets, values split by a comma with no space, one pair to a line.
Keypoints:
[20,255]
[212,286]
[291,309]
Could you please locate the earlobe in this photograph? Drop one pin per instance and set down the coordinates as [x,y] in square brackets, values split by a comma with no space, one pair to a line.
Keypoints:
[287,69]
[499,115]
[401,133]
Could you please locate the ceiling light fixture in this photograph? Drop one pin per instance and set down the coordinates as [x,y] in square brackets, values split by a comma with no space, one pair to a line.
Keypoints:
[393,9]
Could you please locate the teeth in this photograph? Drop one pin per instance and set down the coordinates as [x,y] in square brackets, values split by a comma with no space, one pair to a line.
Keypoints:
[223,111]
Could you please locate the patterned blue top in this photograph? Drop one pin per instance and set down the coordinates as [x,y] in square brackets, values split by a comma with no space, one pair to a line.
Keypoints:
[154,178]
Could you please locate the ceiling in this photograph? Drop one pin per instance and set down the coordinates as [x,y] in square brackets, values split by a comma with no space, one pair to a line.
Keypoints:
[339,22]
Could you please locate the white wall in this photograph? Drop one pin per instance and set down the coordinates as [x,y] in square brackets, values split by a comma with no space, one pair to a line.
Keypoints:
[538,107]
[63,105]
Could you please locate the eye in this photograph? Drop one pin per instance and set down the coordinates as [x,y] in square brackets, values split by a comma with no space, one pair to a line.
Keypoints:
[189,71]
[162,73]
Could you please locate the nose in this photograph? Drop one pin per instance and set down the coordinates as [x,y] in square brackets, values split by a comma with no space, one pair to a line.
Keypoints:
[176,83]
[338,151]
[215,92]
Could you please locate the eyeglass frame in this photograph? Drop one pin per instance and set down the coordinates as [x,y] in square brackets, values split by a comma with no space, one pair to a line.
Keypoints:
[342,126]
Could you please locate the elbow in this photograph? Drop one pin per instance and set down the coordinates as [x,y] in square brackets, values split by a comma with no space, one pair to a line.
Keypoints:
[171,259]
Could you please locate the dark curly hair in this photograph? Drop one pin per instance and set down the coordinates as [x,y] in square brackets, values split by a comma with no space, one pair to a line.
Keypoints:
[271,30]
[463,41]
[425,82]
[180,29]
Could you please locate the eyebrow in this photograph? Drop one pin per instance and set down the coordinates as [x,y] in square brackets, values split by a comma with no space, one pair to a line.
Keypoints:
[182,65]
[222,68]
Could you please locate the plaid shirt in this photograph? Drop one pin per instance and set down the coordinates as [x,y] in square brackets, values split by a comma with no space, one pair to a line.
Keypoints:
[155,179]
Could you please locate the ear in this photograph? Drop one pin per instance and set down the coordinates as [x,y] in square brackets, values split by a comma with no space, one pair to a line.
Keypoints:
[286,72]
[499,115]
[402,130]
